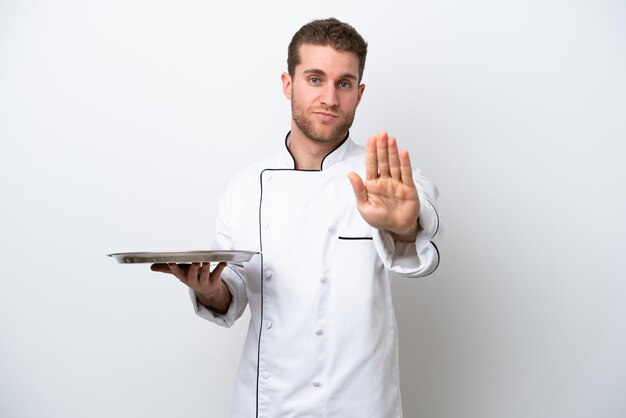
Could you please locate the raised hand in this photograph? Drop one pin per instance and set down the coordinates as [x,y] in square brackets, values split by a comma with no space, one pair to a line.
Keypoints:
[207,284]
[388,198]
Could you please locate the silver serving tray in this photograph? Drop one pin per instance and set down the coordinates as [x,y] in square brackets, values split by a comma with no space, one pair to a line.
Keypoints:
[232,256]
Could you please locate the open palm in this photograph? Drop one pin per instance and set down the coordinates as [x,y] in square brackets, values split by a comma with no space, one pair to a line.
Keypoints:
[388,198]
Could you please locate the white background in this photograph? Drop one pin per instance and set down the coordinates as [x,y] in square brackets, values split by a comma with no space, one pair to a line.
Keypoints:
[120,122]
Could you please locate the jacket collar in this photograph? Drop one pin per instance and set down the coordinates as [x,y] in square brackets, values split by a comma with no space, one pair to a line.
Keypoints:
[333,157]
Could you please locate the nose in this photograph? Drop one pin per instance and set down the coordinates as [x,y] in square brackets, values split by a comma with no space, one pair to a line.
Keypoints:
[329,95]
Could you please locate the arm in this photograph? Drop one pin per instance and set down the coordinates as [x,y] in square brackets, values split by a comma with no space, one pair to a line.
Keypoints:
[398,202]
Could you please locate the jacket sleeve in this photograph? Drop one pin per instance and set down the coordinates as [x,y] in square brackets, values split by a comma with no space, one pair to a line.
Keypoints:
[419,258]
[233,275]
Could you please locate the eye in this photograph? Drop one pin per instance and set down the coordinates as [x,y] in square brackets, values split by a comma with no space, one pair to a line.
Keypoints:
[314,80]
[345,84]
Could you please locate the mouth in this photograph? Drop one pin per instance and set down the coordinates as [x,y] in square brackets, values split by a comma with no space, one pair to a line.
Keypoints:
[325,116]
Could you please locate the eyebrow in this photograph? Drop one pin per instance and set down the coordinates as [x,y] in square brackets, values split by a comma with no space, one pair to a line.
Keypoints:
[321,72]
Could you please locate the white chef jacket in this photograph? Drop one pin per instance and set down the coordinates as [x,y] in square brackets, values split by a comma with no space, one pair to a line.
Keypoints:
[322,339]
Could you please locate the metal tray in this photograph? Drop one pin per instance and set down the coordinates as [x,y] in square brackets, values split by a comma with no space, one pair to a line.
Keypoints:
[233,256]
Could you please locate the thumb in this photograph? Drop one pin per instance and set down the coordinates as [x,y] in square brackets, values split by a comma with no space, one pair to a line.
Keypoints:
[360,192]
[217,271]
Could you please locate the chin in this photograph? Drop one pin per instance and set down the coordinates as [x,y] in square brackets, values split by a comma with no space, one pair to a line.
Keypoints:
[327,137]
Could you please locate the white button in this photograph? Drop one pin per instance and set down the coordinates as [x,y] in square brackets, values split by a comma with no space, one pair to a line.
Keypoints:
[268,324]
[268,275]
[316,383]
[331,229]
[268,178]
[265,375]
[323,279]
[319,331]
[266,225]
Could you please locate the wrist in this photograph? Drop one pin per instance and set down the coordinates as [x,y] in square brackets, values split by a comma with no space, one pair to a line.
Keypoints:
[407,234]
[218,300]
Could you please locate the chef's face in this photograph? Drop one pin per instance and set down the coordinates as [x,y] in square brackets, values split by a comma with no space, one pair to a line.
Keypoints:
[324,92]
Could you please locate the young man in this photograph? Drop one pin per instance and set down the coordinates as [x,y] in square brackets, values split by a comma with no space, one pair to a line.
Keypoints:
[332,220]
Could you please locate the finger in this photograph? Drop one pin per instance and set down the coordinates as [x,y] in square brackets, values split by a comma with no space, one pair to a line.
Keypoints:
[360,192]
[178,271]
[192,273]
[405,168]
[204,272]
[382,155]
[216,274]
[394,159]
[371,161]
[161,268]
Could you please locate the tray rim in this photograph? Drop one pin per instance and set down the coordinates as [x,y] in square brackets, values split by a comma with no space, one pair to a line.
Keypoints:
[137,257]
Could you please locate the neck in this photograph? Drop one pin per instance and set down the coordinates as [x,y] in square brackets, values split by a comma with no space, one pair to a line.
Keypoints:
[307,153]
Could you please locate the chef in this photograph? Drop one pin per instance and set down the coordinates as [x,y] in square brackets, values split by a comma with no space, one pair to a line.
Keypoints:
[332,220]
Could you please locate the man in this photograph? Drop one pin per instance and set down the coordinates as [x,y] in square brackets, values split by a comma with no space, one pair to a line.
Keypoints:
[322,335]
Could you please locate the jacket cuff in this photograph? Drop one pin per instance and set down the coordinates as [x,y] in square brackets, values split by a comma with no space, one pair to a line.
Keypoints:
[237,304]
[411,259]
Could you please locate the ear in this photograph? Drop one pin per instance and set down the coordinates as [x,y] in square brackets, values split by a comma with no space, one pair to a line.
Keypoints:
[360,94]
[286,79]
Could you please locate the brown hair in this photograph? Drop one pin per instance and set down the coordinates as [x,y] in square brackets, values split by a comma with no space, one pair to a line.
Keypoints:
[327,32]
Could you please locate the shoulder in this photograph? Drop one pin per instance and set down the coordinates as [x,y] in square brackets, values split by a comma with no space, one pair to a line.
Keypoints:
[354,158]
[249,176]
[355,153]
